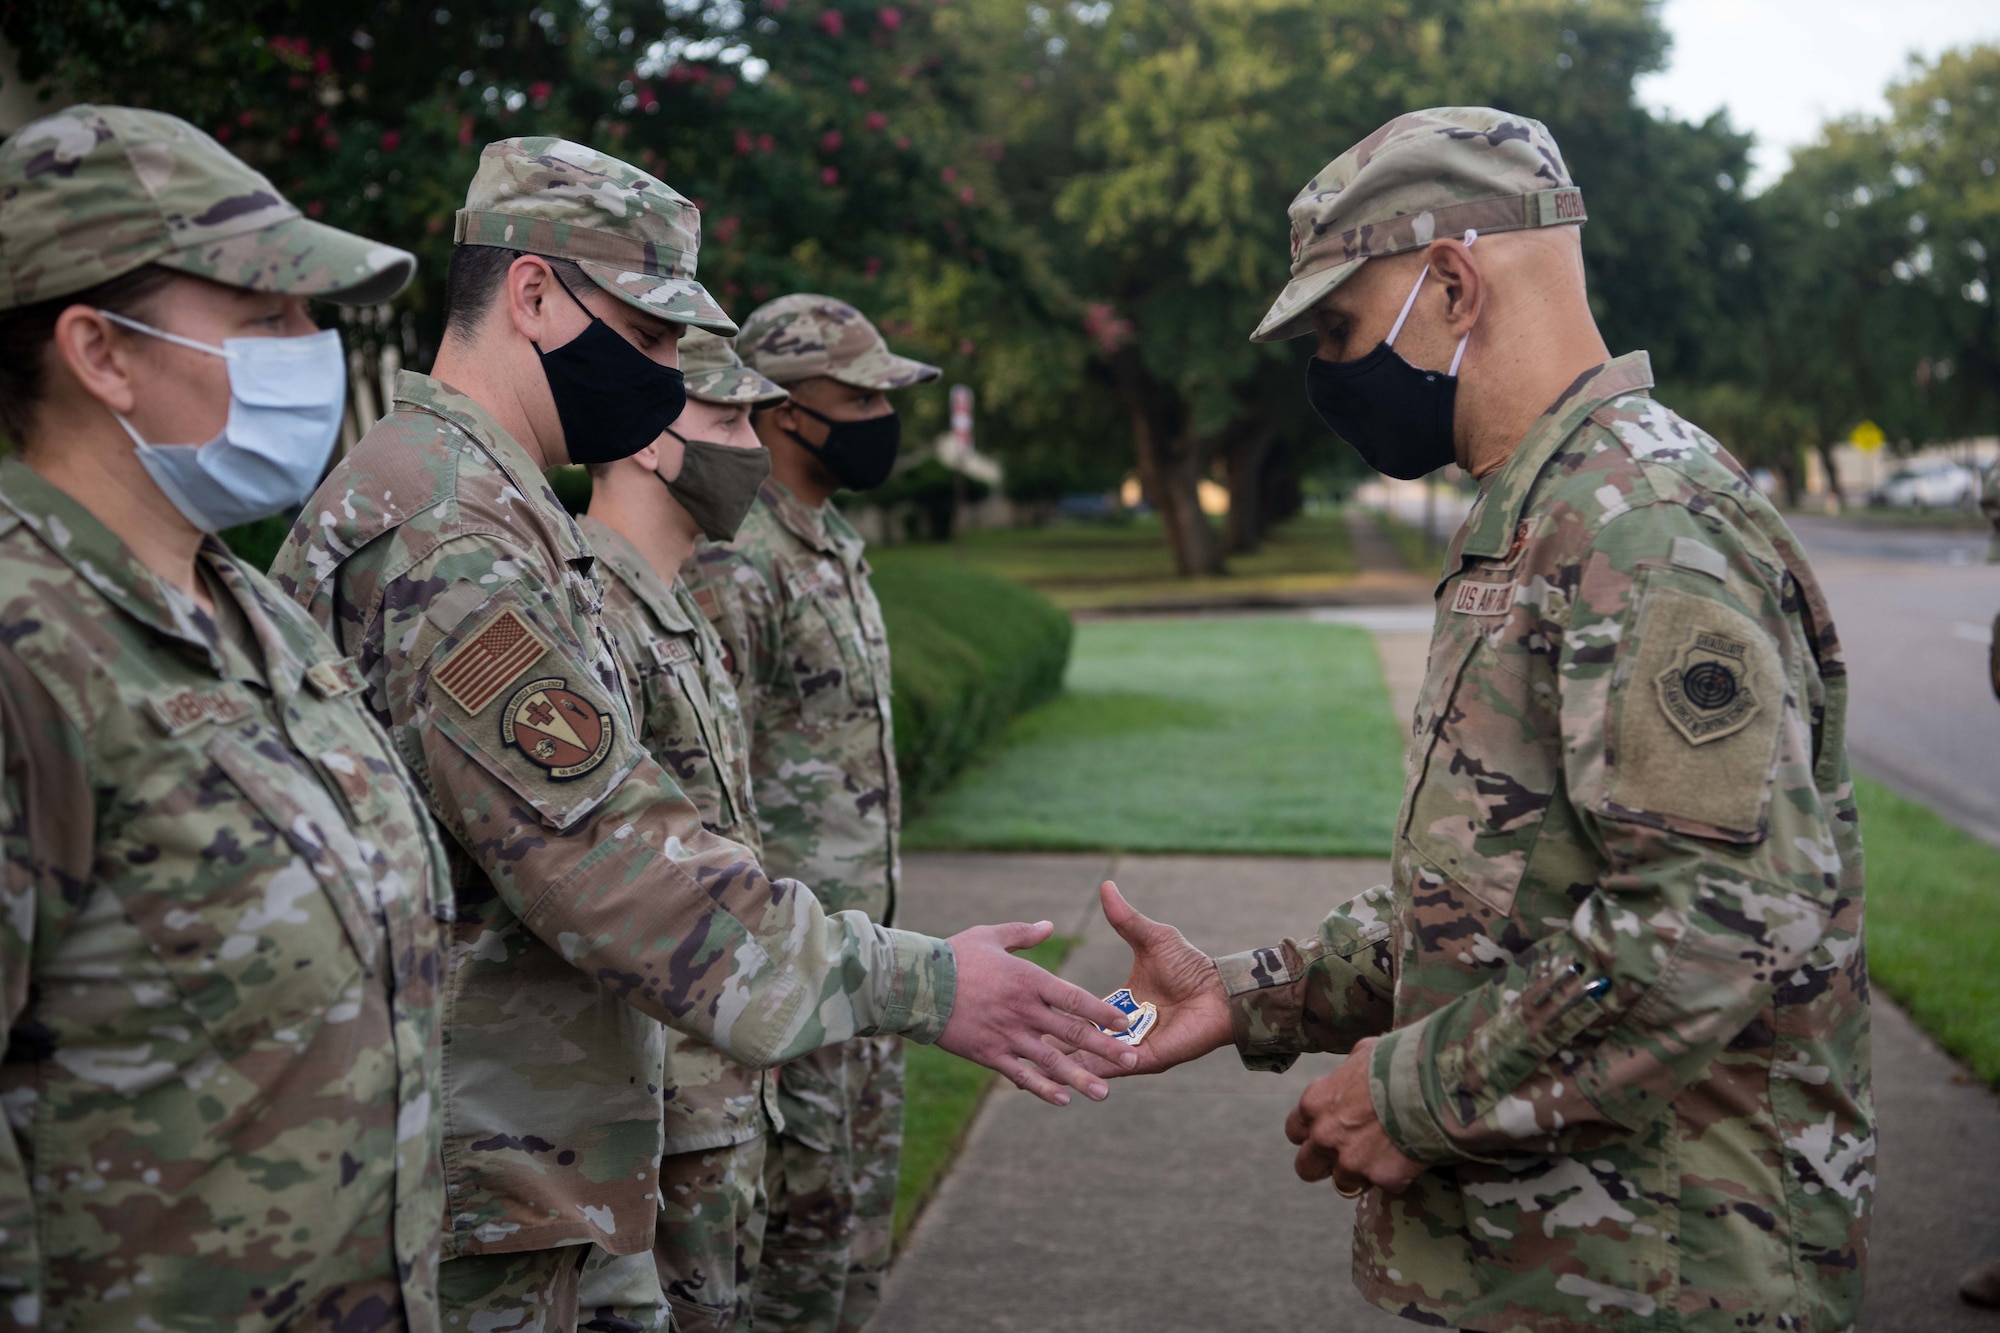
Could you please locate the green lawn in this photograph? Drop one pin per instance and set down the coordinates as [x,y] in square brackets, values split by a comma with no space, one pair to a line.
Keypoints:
[1080,566]
[1933,927]
[1238,734]
[942,1093]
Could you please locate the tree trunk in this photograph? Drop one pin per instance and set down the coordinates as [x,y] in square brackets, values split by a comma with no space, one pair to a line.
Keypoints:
[1170,464]
[1248,459]
[1825,447]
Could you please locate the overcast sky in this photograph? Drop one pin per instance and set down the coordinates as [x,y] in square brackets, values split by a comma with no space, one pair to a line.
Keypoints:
[1784,66]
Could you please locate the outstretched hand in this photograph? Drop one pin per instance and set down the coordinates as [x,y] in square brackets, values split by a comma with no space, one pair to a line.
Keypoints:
[1028,1024]
[1178,978]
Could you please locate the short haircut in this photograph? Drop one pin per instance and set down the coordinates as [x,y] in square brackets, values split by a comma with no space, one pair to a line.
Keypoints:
[26,333]
[476,276]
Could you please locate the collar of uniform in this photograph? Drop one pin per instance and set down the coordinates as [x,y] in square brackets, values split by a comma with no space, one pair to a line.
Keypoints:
[99,557]
[284,666]
[423,394]
[636,572]
[825,529]
[1490,527]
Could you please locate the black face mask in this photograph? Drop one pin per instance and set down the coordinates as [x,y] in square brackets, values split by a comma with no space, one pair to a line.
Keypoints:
[611,398]
[718,483]
[1398,418]
[860,454]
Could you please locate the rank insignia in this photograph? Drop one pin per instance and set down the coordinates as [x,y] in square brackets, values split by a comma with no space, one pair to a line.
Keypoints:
[1706,694]
[1144,1015]
[556,728]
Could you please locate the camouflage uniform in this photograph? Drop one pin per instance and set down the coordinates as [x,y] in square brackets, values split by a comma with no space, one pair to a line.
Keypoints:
[717,1111]
[1621,963]
[811,657]
[218,956]
[593,905]
[712,1206]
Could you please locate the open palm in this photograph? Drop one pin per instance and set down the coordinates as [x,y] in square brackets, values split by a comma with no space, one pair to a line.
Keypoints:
[1178,978]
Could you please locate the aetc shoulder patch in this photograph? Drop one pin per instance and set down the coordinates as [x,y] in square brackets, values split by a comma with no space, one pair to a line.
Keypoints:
[556,728]
[1707,693]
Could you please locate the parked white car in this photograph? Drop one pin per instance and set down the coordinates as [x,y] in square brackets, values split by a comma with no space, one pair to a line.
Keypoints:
[1936,483]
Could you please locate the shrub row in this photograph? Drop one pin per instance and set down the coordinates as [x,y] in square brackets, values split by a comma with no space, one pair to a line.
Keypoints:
[970,651]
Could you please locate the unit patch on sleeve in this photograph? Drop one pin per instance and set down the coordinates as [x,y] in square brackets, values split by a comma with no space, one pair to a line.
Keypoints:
[1706,693]
[556,728]
[475,672]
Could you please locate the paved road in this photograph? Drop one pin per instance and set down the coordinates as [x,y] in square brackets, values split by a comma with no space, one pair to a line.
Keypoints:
[1915,609]
[1173,1207]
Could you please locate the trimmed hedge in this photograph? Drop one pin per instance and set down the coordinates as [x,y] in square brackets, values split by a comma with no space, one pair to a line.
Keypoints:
[969,652]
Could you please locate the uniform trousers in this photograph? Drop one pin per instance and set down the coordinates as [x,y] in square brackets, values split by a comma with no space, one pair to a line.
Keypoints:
[833,1201]
[711,1235]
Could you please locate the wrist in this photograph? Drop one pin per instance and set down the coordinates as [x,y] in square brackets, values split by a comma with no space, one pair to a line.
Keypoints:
[1395,1087]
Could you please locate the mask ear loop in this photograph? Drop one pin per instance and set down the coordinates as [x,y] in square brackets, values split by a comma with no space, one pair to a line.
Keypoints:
[1471,235]
[162,334]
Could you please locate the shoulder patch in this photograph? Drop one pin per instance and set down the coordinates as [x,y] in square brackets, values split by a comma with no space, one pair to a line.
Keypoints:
[557,728]
[1707,693]
[475,672]
[710,604]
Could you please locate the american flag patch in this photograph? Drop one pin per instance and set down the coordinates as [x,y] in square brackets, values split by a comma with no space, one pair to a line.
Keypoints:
[475,672]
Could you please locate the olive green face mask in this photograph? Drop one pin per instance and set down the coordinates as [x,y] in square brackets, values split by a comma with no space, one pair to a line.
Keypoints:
[718,483]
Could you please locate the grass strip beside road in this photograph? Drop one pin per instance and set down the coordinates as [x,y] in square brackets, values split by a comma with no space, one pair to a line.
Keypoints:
[939,1100]
[1933,929]
[1240,735]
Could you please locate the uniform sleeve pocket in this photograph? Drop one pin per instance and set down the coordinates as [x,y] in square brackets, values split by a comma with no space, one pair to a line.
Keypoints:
[1519,1040]
[1696,716]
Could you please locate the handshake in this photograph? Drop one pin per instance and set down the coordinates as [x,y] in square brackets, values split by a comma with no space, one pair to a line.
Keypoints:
[1049,1036]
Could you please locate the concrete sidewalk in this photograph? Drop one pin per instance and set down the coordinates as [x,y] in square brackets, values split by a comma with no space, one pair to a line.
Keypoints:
[1173,1205]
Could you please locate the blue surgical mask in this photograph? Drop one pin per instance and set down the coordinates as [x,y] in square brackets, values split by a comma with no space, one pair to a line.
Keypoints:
[285,399]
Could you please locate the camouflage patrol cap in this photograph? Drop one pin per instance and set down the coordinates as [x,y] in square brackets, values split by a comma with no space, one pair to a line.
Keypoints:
[632,234]
[715,374]
[800,336]
[93,192]
[1423,175]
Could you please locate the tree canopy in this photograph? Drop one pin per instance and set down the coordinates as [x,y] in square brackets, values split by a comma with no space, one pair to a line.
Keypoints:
[1079,208]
